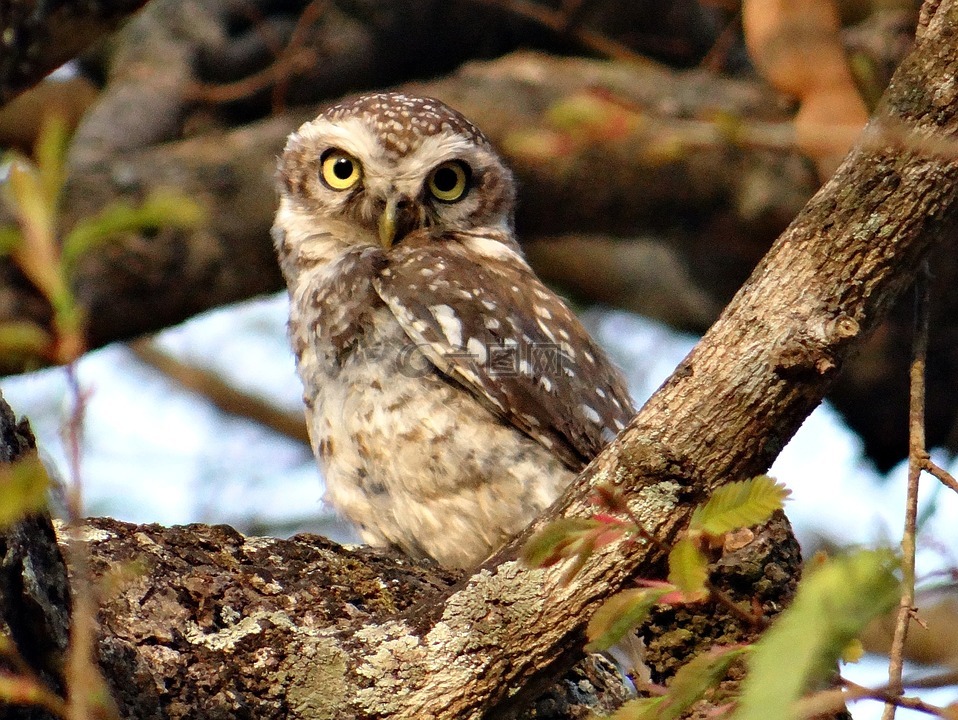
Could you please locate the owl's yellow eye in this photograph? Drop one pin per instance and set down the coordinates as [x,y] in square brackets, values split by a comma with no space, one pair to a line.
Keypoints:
[449,182]
[340,170]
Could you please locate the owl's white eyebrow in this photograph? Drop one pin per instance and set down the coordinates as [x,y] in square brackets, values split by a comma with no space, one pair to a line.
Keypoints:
[439,148]
[351,135]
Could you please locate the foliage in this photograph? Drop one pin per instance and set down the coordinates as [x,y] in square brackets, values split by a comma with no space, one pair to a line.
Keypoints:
[23,489]
[32,192]
[800,650]
[833,604]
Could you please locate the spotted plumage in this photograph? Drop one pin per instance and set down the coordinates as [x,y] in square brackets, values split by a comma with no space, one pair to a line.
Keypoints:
[450,395]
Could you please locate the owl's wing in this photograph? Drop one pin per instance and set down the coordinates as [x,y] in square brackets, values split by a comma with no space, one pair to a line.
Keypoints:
[488,323]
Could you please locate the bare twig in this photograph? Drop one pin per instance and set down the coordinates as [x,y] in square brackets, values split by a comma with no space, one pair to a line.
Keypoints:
[917,456]
[717,54]
[854,691]
[219,392]
[561,23]
[290,60]
[945,477]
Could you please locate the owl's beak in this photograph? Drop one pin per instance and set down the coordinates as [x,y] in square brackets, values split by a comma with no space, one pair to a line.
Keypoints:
[399,217]
[387,223]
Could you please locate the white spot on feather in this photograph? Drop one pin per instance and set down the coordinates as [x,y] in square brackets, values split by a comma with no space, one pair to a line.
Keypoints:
[590,413]
[477,350]
[546,330]
[450,325]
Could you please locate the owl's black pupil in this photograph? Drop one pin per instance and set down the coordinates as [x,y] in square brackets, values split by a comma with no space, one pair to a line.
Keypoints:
[445,179]
[343,168]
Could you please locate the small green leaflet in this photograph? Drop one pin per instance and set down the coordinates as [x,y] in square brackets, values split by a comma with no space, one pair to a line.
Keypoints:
[557,540]
[23,489]
[738,505]
[689,685]
[696,678]
[619,615]
[22,337]
[638,709]
[688,568]
[160,209]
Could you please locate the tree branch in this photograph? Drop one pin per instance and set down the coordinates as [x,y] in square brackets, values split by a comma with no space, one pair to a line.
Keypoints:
[39,37]
[481,647]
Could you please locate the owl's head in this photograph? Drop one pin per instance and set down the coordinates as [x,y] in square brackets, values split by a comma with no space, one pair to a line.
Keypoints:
[375,168]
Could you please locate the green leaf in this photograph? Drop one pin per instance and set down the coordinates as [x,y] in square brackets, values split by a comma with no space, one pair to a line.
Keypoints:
[22,690]
[619,615]
[21,337]
[36,254]
[701,674]
[160,209]
[688,567]
[638,709]
[739,504]
[26,196]
[557,540]
[10,238]
[51,154]
[23,489]
[834,603]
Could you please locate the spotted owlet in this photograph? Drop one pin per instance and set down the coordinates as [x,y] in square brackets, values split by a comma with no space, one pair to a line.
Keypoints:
[450,395]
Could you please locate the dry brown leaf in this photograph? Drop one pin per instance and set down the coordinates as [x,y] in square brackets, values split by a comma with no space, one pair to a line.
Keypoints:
[796,46]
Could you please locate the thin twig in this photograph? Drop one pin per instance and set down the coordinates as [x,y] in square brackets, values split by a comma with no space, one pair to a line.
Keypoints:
[558,22]
[292,59]
[944,477]
[854,691]
[80,650]
[222,394]
[916,461]
[717,54]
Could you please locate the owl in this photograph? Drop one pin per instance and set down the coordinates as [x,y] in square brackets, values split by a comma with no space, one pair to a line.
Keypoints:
[450,395]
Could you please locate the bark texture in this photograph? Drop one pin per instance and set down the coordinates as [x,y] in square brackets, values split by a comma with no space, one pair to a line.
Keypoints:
[38,37]
[34,588]
[485,645]
[201,622]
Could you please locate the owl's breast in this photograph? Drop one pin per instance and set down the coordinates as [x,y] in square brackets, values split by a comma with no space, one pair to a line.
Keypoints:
[332,305]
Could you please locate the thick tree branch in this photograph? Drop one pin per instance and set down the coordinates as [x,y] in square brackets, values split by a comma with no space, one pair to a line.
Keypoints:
[38,37]
[476,649]
[472,650]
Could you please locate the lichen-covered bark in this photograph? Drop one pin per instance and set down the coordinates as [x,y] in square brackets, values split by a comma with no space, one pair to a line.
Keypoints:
[201,622]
